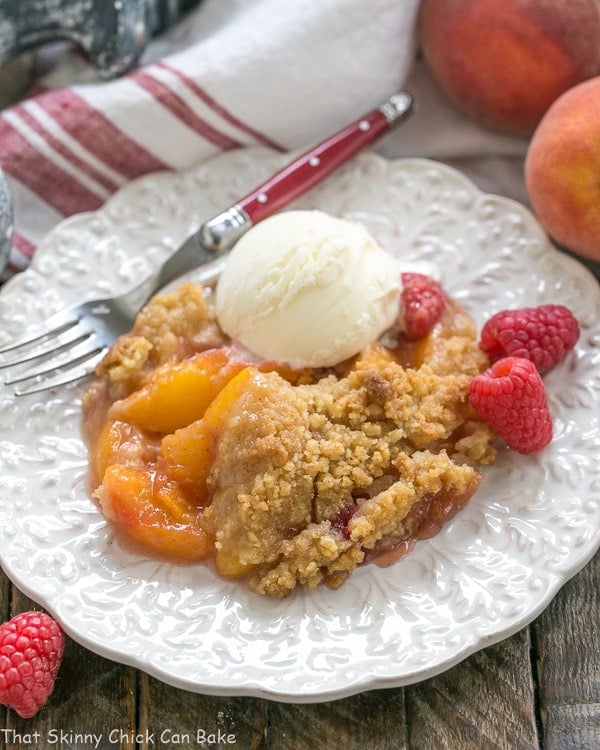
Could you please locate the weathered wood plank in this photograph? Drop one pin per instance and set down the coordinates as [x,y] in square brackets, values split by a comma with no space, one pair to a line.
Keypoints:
[92,697]
[568,656]
[485,703]
[373,720]
[178,718]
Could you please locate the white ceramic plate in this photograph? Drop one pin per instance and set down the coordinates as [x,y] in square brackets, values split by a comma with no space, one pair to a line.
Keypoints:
[534,523]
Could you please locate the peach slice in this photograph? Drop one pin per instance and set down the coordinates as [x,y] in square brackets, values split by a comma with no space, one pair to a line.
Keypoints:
[187,455]
[160,505]
[178,394]
[118,443]
[375,354]
[152,510]
[293,375]
[226,398]
[230,567]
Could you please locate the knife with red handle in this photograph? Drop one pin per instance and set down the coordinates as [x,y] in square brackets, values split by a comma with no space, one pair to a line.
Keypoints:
[311,167]
[314,165]
[218,235]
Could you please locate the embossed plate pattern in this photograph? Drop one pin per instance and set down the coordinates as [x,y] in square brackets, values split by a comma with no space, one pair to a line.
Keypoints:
[534,523]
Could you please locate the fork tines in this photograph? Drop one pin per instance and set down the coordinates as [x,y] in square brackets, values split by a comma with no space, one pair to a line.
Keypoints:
[37,357]
[51,327]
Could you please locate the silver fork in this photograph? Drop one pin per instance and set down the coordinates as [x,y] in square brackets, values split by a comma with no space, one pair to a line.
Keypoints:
[69,345]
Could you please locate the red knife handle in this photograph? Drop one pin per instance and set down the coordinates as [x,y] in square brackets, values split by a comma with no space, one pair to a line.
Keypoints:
[219,234]
[317,163]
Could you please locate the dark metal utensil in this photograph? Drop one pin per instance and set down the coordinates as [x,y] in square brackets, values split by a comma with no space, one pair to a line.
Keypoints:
[112,32]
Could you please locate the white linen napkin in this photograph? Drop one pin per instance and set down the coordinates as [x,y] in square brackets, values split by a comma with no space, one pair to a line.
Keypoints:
[232,73]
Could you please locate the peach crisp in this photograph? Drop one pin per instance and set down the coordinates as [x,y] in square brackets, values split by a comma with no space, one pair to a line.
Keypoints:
[282,477]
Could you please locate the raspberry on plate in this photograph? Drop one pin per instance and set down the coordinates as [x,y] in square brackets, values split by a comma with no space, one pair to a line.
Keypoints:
[31,649]
[510,396]
[422,303]
[543,334]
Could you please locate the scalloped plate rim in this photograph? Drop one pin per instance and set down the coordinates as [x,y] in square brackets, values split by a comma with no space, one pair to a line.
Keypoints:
[254,690]
[366,681]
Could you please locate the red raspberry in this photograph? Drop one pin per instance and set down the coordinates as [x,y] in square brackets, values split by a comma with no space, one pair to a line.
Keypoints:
[510,396]
[31,649]
[422,302]
[542,334]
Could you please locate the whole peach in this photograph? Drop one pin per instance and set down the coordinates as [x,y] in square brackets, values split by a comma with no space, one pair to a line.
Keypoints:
[504,62]
[562,169]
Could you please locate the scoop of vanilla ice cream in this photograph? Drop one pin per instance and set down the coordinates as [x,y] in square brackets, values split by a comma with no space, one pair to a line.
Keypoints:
[307,288]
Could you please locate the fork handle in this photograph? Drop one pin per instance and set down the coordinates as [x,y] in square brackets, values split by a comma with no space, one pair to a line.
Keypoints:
[221,232]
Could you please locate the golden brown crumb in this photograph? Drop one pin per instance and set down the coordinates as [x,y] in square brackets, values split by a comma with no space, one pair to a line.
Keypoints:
[292,458]
[172,326]
[313,477]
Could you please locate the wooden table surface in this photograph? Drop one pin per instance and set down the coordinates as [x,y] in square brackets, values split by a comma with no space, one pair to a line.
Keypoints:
[538,689]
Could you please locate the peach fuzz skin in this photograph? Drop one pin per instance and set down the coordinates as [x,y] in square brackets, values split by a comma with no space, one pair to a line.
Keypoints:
[503,62]
[562,170]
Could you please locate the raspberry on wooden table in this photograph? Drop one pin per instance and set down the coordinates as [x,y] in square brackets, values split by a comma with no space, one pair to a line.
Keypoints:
[31,649]
[510,396]
[543,334]
[422,302]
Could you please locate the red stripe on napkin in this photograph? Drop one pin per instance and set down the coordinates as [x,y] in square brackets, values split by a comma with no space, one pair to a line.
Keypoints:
[43,176]
[23,245]
[21,252]
[176,106]
[60,147]
[219,108]
[98,135]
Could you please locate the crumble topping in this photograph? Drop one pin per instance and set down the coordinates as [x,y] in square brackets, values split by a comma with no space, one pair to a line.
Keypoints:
[171,327]
[313,476]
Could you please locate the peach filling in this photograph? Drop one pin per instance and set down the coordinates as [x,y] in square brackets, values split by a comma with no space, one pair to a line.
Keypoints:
[188,461]
[153,454]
